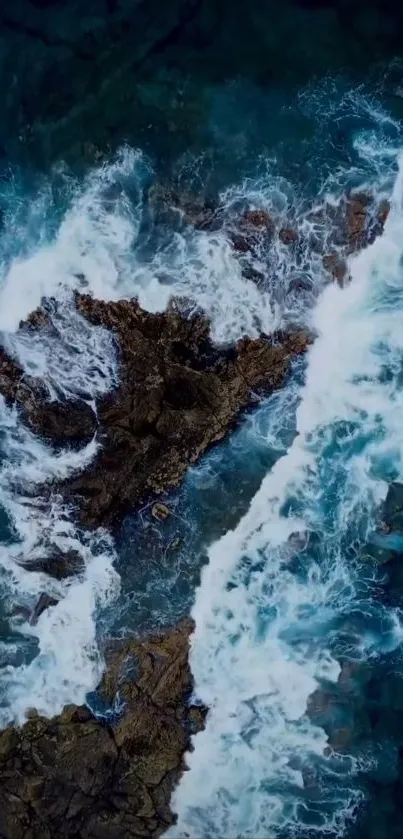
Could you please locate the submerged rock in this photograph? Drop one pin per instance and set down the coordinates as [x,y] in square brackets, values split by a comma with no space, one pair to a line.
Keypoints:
[377,553]
[195,209]
[393,507]
[338,230]
[345,228]
[288,235]
[57,564]
[252,229]
[79,776]
[46,601]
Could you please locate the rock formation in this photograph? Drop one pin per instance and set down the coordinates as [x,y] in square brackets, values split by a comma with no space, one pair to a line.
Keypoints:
[177,395]
[75,417]
[79,776]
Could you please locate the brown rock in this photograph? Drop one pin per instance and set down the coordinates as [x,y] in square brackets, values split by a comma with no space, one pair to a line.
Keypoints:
[252,229]
[336,266]
[365,220]
[38,319]
[288,236]
[258,218]
[178,394]
[75,776]
[240,242]
[68,421]
[357,220]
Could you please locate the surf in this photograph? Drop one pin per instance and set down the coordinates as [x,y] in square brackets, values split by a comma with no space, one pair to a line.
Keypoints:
[277,590]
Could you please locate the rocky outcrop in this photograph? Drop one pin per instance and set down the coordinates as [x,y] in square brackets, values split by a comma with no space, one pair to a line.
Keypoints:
[354,224]
[79,774]
[178,394]
[337,231]
[87,778]
[44,416]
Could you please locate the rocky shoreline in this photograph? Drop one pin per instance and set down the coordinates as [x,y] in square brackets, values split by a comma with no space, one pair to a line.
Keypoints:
[79,774]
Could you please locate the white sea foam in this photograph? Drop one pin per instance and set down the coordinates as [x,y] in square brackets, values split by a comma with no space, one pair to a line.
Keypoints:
[68,663]
[94,249]
[259,648]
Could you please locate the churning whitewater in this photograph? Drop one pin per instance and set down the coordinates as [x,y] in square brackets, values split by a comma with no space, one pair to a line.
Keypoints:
[270,626]
[88,241]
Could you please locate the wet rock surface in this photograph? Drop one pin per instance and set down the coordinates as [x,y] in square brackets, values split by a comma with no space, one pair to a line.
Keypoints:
[79,776]
[75,417]
[336,232]
[355,223]
[57,564]
[178,394]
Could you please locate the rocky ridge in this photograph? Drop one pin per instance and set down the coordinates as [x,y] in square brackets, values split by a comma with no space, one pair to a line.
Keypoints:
[177,395]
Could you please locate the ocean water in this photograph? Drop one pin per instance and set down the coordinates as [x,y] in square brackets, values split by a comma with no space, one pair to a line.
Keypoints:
[298,636]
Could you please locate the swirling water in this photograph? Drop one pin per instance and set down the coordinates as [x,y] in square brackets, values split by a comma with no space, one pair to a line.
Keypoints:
[285,604]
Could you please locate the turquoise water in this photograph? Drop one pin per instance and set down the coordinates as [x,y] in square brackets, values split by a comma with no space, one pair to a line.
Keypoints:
[297,647]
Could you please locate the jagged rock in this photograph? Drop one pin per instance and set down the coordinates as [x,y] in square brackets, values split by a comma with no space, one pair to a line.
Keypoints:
[57,564]
[354,223]
[288,236]
[39,318]
[339,230]
[69,421]
[178,394]
[45,602]
[258,218]
[357,221]
[240,242]
[336,266]
[78,776]
[250,230]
